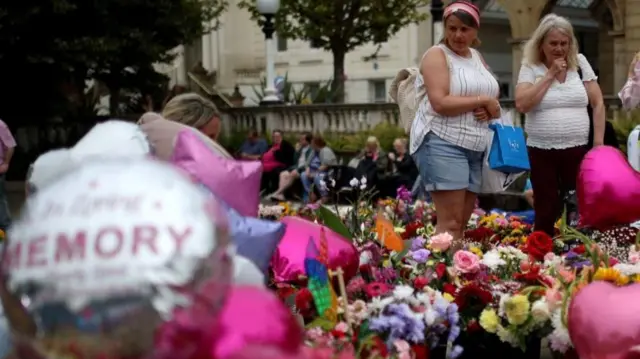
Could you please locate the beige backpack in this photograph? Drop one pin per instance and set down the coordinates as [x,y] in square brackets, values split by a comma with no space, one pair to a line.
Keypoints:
[403,92]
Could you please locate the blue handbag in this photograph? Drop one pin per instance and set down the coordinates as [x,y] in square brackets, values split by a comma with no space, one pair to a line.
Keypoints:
[508,150]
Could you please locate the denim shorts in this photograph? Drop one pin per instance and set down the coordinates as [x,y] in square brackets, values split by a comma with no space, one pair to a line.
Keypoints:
[444,166]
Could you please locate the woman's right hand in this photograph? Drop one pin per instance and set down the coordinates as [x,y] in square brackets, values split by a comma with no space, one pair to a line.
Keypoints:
[492,105]
[558,66]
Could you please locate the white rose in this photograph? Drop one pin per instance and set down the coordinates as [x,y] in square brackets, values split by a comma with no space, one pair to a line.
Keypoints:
[540,311]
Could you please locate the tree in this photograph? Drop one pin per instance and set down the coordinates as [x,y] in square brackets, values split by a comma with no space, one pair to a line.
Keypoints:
[341,26]
[58,44]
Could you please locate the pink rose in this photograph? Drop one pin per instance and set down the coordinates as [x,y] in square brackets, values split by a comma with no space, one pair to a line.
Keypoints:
[466,262]
[441,242]
[553,297]
[634,256]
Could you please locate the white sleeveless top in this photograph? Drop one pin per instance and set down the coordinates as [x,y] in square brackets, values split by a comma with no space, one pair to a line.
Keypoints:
[467,77]
[560,120]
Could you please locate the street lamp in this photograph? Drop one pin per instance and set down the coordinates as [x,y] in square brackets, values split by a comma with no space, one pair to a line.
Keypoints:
[437,11]
[268,9]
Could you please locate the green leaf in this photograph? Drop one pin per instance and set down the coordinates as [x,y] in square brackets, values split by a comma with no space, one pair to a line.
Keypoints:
[333,222]
[400,255]
[321,322]
[363,332]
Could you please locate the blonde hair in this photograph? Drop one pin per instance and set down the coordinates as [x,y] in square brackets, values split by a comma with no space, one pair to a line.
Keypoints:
[532,52]
[190,109]
[632,66]
[403,141]
[373,139]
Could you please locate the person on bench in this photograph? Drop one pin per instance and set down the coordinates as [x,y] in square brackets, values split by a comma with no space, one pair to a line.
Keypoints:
[289,176]
[404,169]
[277,159]
[315,172]
[373,163]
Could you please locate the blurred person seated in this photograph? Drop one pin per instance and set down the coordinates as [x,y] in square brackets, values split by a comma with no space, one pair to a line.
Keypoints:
[253,147]
[275,160]
[291,174]
[372,163]
[528,192]
[321,158]
[404,170]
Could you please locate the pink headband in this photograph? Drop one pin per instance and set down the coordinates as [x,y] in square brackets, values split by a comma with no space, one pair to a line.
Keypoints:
[465,7]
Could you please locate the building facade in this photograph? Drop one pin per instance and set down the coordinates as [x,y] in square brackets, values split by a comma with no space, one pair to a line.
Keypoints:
[608,32]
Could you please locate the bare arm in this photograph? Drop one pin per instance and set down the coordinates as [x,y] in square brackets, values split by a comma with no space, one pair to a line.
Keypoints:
[529,95]
[435,74]
[597,103]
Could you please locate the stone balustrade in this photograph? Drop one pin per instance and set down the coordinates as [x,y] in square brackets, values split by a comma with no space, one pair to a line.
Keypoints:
[344,118]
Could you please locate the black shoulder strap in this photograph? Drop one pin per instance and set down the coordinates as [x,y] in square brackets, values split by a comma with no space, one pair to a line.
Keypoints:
[580,72]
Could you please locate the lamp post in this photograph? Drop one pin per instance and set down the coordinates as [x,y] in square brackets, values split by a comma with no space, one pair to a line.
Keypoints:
[437,10]
[268,9]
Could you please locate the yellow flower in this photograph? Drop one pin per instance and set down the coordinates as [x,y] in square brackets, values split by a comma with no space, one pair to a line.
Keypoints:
[430,263]
[516,232]
[636,278]
[386,263]
[489,320]
[477,251]
[610,275]
[517,309]
[448,297]
[399,230]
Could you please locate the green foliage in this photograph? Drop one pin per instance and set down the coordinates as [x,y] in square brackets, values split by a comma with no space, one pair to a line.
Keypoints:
[623,127]
[61,43]
[385,132]
[305,95]
[342,26]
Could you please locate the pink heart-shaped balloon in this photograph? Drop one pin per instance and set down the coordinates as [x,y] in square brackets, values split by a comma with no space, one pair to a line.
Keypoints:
[604,321]
[608,189]
[287,262]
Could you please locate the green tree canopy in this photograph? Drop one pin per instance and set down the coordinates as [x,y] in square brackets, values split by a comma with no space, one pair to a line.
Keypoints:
[64,42]
[340,26]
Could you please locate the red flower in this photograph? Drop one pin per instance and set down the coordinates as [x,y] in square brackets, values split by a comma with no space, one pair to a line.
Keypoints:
[441,268]
[480,234]
[420,282]
[285,292]
[376,289]
[338,334]
[473,326]
[473,297]
[449,289]
[380,347]
[304,302]
[411,230]
[420,351]
[531,277]
[613,261]
[578,249]
[538,244]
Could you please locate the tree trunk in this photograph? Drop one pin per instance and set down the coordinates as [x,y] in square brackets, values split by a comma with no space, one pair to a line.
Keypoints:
[114,101]
[337,86]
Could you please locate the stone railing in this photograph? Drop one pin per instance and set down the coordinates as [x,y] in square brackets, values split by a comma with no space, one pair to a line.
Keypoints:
[344,118]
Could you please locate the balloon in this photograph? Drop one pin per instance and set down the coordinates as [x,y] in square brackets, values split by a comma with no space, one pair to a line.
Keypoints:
[264,352]
[256,316]
[287,262]
[608,189]
[246,273]
[114,248]
[255,239]
[113,138]
[162,134]
[603,320]
[237,183]
[48,167]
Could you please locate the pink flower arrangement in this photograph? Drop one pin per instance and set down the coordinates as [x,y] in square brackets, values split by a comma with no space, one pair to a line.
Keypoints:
[466,262]
[441,242]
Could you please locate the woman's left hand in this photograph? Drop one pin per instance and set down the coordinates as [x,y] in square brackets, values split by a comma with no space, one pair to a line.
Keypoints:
[481,114]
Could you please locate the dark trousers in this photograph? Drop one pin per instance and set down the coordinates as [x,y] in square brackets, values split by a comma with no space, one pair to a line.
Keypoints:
[553,173]
[269,181]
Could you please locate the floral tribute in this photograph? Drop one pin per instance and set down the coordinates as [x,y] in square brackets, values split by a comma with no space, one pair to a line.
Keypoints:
[498,292]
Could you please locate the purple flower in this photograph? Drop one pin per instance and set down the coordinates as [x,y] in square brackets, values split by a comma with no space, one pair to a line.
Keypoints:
[385,275]
[402,193]
[418,243]
[421,255]
[398,321]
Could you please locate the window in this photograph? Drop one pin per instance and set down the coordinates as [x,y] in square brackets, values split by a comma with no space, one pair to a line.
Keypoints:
[282,43]
[315,44]
[379,91]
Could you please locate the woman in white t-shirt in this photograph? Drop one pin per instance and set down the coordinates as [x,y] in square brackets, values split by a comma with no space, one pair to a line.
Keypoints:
[555,85]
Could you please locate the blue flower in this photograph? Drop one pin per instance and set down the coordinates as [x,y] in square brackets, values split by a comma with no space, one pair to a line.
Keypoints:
[421,255]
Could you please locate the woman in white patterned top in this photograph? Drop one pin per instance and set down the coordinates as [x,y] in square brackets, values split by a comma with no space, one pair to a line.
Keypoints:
[449,133]
[555,85]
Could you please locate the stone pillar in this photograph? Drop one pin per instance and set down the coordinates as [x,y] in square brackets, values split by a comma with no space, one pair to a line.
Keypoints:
[524,16]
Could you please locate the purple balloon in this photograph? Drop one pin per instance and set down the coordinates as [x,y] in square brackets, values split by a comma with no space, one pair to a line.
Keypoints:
[237,183]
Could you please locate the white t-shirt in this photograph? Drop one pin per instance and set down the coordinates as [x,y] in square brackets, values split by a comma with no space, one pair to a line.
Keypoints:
[560,120]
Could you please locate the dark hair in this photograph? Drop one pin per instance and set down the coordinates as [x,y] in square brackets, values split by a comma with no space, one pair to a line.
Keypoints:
[308,137]
[253,132]
[466,19]
[318,141]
